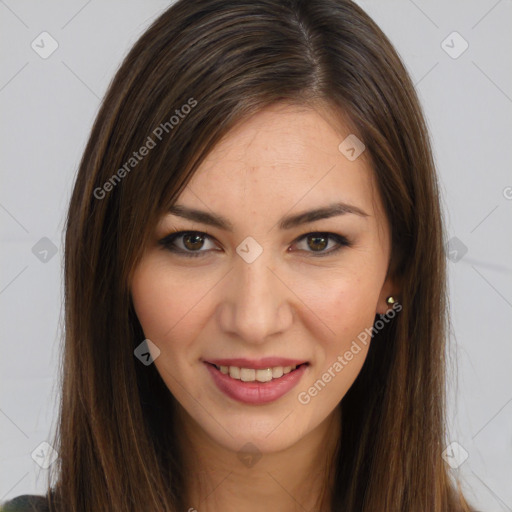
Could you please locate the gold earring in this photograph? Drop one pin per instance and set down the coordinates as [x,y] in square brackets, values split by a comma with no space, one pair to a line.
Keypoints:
[390,300]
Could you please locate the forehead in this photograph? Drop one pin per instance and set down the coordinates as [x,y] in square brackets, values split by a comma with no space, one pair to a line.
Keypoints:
[280,135]
[284,155]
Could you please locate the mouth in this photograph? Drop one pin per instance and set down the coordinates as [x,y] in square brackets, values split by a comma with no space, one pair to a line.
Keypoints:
[256,374]
[255,383]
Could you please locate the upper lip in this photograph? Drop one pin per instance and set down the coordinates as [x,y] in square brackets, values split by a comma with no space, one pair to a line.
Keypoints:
[257,364]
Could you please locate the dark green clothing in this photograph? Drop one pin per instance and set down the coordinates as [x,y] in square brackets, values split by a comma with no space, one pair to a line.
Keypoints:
[26,503]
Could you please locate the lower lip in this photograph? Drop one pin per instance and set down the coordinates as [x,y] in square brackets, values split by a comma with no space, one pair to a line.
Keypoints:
[256,392]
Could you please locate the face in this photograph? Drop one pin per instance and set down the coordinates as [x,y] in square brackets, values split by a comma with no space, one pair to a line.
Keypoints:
[256,306]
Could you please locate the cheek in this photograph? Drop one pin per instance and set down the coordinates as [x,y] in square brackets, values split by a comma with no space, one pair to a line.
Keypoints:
[351,312]
[162,300]
[172,307]
[152,304]
[347,308]
[342,304]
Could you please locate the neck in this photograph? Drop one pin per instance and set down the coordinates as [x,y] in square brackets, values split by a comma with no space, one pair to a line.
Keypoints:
[294,479]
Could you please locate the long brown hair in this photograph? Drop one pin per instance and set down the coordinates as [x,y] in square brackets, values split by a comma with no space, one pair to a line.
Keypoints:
[202,67]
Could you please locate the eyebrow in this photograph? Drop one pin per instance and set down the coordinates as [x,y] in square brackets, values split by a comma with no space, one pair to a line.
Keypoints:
[287,222]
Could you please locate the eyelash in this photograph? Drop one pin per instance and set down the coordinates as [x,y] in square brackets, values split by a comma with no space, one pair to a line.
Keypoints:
[168,242]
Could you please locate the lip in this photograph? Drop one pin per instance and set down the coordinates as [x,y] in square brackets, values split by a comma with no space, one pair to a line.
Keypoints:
[256,393]
[256,364]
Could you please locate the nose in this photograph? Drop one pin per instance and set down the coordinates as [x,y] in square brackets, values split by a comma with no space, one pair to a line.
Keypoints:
[256,304]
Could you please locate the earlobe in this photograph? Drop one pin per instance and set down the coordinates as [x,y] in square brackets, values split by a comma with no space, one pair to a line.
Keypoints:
[390,300]
[386,303]
[389,296]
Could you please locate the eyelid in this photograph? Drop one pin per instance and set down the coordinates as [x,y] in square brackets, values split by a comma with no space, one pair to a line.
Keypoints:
[341,241]
[168,240]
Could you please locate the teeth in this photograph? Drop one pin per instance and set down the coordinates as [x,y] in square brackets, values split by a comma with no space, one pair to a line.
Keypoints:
[277,372]
[247,375]
[264,375]
[252,375]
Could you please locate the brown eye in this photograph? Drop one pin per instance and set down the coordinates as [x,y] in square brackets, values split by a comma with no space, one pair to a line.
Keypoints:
[193,241]
[317,243]
[188,243]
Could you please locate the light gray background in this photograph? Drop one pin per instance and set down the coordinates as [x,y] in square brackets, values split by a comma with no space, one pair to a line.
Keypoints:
[48,106]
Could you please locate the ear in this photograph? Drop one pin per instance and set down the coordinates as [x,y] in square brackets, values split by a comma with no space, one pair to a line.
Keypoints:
[390,288]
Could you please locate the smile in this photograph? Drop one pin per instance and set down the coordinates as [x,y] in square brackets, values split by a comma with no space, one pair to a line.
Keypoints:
[252,375]
[256,385]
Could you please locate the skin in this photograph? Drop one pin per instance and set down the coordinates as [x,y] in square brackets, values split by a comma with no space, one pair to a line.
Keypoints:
[289,302]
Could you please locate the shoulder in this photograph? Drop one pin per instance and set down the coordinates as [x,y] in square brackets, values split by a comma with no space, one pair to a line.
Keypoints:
[26,503]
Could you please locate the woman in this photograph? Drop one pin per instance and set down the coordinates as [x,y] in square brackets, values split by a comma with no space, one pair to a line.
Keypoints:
[254,274]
